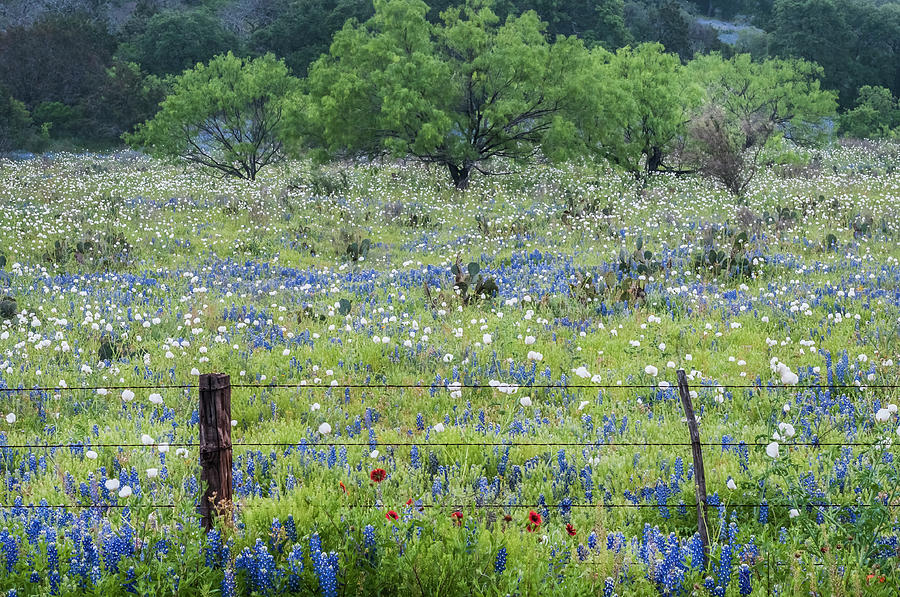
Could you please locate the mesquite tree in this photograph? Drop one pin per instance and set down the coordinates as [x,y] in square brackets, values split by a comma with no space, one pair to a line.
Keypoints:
[458,94]
[226,115]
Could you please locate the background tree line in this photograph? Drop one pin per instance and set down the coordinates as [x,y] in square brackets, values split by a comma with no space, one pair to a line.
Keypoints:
[474,93]
[85,71]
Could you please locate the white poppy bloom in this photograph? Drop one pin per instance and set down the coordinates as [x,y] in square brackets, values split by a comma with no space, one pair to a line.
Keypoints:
[147,440]
[794,513]
[111,484]
[127,395]
[772,450]
[152,473]
[156,398]
[882,415]
[11,418]
[439,428]
[787,430]
[90,455]
[651,370]
[525,401]
[125,492]
[731,484]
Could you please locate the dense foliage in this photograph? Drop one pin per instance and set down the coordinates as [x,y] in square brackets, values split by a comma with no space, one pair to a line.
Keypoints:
[457,94]
[471,91]
[54,51]
[226,115]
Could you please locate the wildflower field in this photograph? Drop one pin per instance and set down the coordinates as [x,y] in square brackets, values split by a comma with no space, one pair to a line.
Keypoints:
[357,308]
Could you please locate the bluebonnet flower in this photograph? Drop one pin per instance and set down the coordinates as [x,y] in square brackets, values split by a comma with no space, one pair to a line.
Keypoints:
[500,563]
[744,580]
[259,565]
[130,578]
[295,562]
[327,572]
[609,587]
[229,584]
[10,549]
[503,462]
[565,506]
[369,542]
[215,551]
[53,566]
[290,528]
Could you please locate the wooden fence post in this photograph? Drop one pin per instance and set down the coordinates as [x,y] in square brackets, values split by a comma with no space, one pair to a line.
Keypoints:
[215,445]
[699,472]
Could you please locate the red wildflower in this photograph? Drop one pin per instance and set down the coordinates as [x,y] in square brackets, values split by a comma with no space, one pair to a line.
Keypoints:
[409,502]
[391,515]
[534,521]
[378,475]
[881,579]
[571,530]
[457,518]
[341,483]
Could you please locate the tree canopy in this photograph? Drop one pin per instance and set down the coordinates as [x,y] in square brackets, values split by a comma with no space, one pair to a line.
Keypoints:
[174,41]
[456,94]
[635,105]
[745,103]
[225,115]
[767,95]
[875,116]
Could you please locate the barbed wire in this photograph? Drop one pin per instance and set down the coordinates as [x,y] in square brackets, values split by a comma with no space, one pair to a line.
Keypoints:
[425,444]
[480,505]
[98,506]
[92,446]
[551,444]
[94,388]
[659,385]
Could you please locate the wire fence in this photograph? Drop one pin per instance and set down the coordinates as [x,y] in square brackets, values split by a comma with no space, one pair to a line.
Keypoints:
[452,386]
[660,385]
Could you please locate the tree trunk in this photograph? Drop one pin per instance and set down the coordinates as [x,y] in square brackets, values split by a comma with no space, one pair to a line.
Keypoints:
[460,175]
[654,159]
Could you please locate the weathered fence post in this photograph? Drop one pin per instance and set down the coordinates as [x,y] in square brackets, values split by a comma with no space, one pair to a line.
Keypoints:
[215,445]
[699,472]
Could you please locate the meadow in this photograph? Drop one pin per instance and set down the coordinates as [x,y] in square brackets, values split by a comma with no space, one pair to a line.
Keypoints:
[569,295]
